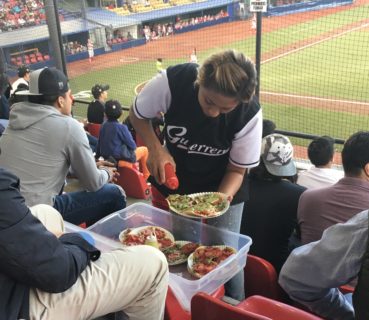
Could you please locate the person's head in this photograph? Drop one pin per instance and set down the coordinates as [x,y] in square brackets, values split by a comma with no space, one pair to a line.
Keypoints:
[225,79]
[276,158]
[268,127]
[355,155]
[100,91]
[24,72]
[113,109]
[49,86]
[159,59]
[321,151]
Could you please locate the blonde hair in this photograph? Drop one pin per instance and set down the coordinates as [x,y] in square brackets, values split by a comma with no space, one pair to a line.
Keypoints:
[229,73]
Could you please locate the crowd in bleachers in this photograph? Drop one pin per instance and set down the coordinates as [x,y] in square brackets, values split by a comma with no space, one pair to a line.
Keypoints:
[180,24]
[74,47]
[158,30]
[118,37]
[16,14]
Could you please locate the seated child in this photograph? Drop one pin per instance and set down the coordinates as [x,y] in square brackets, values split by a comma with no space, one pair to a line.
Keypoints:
[115,140]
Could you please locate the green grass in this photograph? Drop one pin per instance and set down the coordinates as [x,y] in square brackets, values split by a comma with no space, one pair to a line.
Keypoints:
[337,68]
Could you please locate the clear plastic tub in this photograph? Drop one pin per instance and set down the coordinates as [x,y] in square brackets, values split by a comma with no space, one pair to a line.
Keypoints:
[184,286]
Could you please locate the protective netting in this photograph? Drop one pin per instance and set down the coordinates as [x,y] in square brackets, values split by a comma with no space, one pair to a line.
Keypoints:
[314,64]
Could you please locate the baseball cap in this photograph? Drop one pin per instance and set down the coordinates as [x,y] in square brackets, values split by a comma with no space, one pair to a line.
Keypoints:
[46,81]
[98,88]
[277,154]
[113,109]
[23,70]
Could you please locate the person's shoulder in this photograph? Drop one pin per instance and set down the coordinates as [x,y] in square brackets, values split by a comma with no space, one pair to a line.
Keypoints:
[188,71]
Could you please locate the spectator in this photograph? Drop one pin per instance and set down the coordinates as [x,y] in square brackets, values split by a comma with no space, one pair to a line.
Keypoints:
[313,272]
[270,214]
[320,208]
[42,142]
[116,141]
[4,103]
[23,74]
[320,153]
[96,109]
[212,130]
[51,275]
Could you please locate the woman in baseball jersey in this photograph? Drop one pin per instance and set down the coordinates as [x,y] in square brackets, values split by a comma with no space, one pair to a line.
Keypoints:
[213,125]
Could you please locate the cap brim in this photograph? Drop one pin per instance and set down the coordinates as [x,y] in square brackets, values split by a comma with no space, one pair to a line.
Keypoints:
[287,170]
[27,93]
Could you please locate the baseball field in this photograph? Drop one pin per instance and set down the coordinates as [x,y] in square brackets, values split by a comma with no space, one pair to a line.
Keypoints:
[314,72]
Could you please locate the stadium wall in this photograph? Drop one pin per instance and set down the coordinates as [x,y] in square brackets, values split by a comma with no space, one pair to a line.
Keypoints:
[284,9]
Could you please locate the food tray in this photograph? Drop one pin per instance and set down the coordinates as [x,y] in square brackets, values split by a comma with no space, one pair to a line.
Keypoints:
[183,285]
[195,216]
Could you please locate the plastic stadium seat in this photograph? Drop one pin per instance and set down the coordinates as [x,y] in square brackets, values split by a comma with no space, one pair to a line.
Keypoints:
[206,307]
[261,279]
[173,309]
[94,129]
[133,183]
[46,57]
[274,310]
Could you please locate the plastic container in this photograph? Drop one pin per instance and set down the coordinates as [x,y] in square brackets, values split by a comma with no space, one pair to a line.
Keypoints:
[101,243]
[171,180]
[183,285]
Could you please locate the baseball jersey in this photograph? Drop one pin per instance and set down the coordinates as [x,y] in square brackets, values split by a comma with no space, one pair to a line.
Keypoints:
[201,146]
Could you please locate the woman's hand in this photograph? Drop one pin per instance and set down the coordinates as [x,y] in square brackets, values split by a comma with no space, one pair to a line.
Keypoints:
[156,162]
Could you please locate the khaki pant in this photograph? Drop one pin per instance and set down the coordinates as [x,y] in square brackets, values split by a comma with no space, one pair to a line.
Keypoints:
[131,279]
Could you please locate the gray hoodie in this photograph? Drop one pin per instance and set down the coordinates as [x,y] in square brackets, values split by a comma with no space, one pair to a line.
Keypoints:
[40,145]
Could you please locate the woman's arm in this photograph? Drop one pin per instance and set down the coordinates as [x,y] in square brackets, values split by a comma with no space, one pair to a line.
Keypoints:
[232,180]
[158,155]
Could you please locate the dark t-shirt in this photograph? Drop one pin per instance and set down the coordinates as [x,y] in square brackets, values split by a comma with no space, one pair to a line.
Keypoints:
[269,217]
[95,112]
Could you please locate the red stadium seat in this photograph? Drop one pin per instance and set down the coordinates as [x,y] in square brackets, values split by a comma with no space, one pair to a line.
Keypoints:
[133,183]
[173,309]
[261,279]
[275,310]
[94,129]
[46,57]
[204,306]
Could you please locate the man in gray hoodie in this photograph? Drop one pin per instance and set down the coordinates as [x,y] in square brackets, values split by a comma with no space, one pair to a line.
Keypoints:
[43,142]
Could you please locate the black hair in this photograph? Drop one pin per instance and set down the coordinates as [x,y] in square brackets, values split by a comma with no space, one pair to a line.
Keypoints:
[160,59]
[355,153]
[321,151]
[113,109]
[268,127]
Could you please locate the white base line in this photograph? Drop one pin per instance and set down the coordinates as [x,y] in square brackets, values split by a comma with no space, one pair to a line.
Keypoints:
[314,43]
[314,98]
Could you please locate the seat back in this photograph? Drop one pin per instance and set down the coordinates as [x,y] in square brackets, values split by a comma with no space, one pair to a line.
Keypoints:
[261,279]
[94,129]
[204,306]
[133,183]
[275,310]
